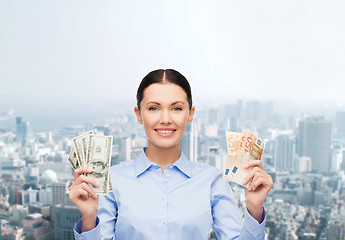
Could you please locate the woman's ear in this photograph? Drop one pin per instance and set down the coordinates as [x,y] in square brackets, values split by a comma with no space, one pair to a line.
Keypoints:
[137,113]
[190,115]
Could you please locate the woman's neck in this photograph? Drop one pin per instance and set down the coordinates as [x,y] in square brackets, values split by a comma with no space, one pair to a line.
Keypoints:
[163,156]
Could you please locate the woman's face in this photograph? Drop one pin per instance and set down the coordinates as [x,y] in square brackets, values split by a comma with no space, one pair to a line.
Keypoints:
[164,111]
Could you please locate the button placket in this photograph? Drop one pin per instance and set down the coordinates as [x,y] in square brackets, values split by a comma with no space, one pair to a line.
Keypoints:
[163,202]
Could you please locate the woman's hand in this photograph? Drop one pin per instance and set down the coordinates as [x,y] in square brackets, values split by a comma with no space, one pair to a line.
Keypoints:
[84,197]
[260,183]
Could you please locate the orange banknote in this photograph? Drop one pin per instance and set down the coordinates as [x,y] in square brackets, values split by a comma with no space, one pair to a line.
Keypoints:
[242,147]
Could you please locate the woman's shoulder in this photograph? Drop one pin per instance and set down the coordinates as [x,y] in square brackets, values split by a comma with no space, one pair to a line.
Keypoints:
[205,169]
[122,168]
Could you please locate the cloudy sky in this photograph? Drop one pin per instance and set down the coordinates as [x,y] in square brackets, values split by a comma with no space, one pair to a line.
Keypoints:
[66,55]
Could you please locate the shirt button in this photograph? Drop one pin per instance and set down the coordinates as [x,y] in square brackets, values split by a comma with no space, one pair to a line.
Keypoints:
[163,222]
[171,167]
[259,228]
[167,175]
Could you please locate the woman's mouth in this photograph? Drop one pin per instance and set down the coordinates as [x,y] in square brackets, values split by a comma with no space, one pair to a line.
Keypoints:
[165,132]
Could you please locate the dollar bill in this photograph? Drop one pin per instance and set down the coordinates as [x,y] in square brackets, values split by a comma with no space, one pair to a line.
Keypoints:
[242,147]
[81,144]
[98,159]
[72,158]
[110,185]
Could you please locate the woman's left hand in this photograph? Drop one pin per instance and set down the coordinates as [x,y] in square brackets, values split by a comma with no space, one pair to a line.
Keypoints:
[260,183]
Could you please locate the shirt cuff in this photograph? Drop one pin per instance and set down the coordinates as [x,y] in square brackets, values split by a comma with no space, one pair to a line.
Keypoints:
[92,234]
[253,226]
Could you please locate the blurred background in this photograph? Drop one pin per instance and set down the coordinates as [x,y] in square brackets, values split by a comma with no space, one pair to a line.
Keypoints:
[274,67]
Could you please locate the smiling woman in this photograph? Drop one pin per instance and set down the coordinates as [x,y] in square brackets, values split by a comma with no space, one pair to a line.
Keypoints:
[162,194]
[164,110]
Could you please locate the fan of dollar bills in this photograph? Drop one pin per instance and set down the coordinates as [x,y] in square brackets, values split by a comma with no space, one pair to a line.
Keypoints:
[242,147]
[94,152]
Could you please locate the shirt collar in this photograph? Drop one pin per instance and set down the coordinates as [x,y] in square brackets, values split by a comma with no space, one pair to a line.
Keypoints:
[184,165]
[142,164]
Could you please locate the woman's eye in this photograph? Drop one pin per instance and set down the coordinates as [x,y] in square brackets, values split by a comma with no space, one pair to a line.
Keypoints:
[153,109]
[177,109]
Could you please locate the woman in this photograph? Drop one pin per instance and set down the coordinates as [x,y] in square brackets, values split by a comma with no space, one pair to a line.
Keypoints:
[163,195]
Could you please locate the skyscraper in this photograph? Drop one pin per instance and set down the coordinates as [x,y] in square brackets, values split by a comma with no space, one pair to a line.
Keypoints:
[283,153]
[125,149]
[189,142]
[65,217]
[213,115]
[314,141]
[21,130]
[59,190]
[59,193]
[253,110]
[340,123]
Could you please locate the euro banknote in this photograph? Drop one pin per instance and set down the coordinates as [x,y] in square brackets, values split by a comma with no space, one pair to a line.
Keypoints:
[242,147]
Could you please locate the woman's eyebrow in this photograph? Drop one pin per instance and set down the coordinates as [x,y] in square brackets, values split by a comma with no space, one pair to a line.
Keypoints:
[177,102]
[157,103]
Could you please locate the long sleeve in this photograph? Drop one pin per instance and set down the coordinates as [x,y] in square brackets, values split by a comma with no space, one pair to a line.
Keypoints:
[106,220]
[183,203]
[227,221]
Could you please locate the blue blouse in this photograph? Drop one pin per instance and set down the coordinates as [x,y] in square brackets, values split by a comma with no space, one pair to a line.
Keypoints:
[182,203]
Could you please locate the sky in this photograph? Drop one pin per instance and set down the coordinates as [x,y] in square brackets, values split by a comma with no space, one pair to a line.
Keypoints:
[65,58]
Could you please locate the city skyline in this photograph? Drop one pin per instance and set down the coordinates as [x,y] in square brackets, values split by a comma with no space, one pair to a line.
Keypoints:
[303,191]
[68,67]
[50,118]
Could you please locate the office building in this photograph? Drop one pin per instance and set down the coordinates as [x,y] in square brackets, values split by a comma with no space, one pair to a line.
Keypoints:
[65,217]
[59,190]
[340,123]
[19,212]
[23,131]
[213,116]
[44,210]
[252,110]
[303,164]
[45,196]
[314,141]
[125,149]
[35,227]
[189,142]
[336,228]
[283,152]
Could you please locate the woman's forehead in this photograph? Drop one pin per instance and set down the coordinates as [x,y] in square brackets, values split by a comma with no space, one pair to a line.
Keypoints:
[166,92]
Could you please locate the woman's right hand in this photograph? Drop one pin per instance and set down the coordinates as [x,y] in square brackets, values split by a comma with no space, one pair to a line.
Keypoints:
[84,197]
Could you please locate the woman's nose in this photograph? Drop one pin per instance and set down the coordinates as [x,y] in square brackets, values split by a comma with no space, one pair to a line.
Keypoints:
[165,117]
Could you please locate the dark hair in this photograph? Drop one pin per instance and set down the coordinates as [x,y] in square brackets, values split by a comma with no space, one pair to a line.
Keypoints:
[161,76]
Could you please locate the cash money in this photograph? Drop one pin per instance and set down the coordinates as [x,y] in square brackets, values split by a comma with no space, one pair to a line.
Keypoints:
[242,147]
[81,144]
[98,159]
[93,151]
[72,158]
